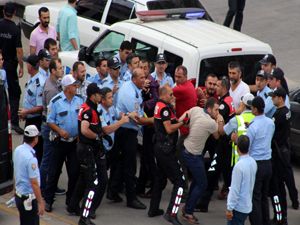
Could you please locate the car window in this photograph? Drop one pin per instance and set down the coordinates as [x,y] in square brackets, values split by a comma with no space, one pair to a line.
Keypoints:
[91,9]
[120,10]
[173,61]
[144,49]
[218,66]
[108,45]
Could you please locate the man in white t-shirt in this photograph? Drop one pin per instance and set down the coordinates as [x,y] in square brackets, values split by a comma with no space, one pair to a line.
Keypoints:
[238,88]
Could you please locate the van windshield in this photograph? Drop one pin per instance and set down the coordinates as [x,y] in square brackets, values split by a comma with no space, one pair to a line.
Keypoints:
[218,65]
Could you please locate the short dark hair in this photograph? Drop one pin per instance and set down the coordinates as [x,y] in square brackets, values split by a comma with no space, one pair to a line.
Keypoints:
[48,42]
[210,103]
[211,75]
[28,140]
[71,1]
[76,65]
[243,143]
[126,45]
[183,68]
[52,64]
[225,82]
[130,57]
[235,65]
[105,91]
[99,61]
[43,9]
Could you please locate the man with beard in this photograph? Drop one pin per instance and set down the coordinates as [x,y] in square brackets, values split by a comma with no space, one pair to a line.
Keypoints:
[209,90]
[79,73]
[42,32]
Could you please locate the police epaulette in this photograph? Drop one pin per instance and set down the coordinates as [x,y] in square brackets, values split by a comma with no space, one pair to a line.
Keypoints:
[79,95]
[37,81]
[56,99]
[266,95]
[100,112]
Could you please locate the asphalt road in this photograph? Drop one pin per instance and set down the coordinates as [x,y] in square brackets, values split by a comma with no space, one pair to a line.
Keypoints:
[272,21]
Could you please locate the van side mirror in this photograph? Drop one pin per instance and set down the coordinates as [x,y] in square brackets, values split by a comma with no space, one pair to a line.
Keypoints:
[82,54]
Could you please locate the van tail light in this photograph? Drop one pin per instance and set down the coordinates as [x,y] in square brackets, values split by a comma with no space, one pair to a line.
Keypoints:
[9,129]
[236,49]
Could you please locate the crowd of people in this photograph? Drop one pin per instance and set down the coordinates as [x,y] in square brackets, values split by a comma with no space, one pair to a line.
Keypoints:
[91,124]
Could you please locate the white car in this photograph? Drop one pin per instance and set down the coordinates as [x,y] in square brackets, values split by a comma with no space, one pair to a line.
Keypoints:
[200,45]
[95,16]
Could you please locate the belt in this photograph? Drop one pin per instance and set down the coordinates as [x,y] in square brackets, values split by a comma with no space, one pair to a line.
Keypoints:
[32,196]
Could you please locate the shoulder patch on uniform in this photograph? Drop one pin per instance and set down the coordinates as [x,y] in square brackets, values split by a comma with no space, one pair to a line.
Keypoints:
[86,116]
[56,99]
[166,113]
[33,166]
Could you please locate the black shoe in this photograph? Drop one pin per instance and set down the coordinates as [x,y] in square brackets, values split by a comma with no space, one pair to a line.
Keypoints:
[136,204]
[48,207]
[92,215]
[295,205]
[114,197]
[73,211]
[157,212]
[18,129]
[60,191]
[85,221]
[172,219]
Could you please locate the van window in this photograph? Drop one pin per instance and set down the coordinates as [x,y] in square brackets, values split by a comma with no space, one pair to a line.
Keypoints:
[144,50]
[250,66]
[120,10]
[108,45]
[173,61]
[91,9]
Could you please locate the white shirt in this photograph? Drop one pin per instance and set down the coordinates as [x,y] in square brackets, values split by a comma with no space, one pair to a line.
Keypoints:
[238,93]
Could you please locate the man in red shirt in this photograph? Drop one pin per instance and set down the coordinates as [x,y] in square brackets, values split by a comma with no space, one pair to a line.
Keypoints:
[209,90]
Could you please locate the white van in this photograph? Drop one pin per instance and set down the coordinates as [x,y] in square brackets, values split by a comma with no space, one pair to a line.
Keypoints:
[200,45]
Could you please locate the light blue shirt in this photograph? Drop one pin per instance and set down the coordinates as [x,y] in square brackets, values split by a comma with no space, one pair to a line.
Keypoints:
[33,93]
[44,73]
[25,168]
[108,117]
[124,66]
[127,76]
[67,28]
[167,79]
[242,183]
[129,100]
[64,113]
[95,79]
[109,83]
[286,102]
[3,78]
[260,133]
[232,125]
[269,106]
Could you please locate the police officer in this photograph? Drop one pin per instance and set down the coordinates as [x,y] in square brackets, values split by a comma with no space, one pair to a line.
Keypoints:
[124,51]
[11,47]
[282,168]
[62,112]
[166,133]
[132,61]
[44,61]
[101,67]
[79,73]
[90,153]
[28,197]
[160,75]
[32,102]
[263,90]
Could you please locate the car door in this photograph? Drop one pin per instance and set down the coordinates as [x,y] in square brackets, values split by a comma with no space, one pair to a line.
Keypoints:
[295,122]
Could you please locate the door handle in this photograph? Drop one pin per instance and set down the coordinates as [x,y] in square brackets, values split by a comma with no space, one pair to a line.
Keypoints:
[97,29]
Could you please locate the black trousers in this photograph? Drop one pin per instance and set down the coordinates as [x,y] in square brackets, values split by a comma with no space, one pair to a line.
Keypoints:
[92,180]
[260,212]
[27,217]
[14,90]
[236,8]
[126,151]
[62,152]
[148,165]
[168,167]
[37,121]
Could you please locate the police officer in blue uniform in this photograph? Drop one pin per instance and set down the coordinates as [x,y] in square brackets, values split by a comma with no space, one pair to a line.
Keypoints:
[32,102]
[132,61]
[101,67]
[44,62]
[159,74]
[28,196]
[124,51]
[62,114]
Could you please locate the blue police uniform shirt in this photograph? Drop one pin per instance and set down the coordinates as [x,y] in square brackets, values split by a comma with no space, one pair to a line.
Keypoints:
[260,133]
[127,76]
[129,100]
[44,73]
[286,102]
[232,125]
[25,168]
[33,93]
[269,106]
[167,79]
[109,83]
[95,79]
[124,66]
[3,78]
[108,117]
[64,113]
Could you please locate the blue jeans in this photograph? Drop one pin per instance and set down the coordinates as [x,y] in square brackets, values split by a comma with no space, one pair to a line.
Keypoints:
[238,218]
[195,164]
[48,149]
